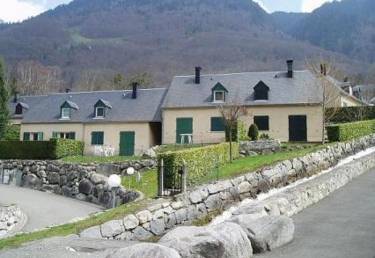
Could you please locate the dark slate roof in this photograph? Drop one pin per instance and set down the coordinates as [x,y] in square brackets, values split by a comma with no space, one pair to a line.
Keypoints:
[46,109]
[301,89]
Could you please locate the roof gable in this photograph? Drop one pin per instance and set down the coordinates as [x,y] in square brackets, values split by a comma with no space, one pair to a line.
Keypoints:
[70,104]
[261,86]
[219,87]
[103,103]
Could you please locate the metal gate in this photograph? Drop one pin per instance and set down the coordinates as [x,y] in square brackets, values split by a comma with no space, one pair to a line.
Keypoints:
[171,179]
[10,176]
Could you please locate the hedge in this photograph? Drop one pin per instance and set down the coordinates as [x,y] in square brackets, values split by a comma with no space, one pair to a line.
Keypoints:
[349,131]
[53,149]
[199,161]
[350,114]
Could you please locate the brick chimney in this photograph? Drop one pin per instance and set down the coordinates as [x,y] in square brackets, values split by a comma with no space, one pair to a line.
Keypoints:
[198,75]
[135,90]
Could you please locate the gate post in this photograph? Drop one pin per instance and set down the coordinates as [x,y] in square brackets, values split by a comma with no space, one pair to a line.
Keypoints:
[184,178]
[161,178]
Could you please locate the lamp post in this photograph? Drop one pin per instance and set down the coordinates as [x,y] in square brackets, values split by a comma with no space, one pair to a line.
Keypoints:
[114,182]
[130,171]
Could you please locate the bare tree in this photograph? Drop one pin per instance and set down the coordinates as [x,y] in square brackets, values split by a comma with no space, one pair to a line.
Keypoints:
[32,78]
[231,112]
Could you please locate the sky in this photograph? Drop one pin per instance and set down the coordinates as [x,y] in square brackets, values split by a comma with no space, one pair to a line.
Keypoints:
[18,10]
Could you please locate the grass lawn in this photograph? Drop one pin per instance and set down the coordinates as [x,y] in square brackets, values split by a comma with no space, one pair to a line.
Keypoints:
[248,164]
[176,147]
[148,184]
[96,159]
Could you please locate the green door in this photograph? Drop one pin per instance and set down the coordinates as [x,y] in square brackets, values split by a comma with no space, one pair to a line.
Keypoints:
[127,142]
[184,127]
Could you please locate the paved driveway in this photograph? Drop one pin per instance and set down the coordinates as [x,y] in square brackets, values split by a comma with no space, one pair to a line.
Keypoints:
[340,226]
[45,209]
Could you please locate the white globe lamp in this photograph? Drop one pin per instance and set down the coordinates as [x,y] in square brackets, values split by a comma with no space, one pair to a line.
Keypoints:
[130,171]
[114,181]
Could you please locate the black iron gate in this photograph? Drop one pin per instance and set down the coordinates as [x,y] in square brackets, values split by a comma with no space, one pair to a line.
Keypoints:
[171,179]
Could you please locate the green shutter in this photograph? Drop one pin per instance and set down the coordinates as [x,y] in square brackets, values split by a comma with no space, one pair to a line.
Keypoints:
[97,138]
[54,135]
[72,136]
[26,136]
[183,126]
[40,136]
[217,124]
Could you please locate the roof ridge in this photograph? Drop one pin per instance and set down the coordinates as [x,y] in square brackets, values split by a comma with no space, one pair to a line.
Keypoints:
[224,74]
[88,92]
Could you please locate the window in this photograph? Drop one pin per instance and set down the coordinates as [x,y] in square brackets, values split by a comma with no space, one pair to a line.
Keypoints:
[19,109]
[65,113]
[219,96]
[217,124]
[97,138]
[99,112]
[33,136]
[262,122]
[63,135]
[261,91]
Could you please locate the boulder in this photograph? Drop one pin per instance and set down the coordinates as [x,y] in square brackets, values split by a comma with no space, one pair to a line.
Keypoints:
[254,210]
[130,222]
[86,187]
[112,228]
[223,240]
[145,250]
[269,232]
[98,179]
[31,181]
[144,216]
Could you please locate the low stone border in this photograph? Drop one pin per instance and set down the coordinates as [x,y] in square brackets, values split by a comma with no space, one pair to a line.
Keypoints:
[12,220]
[165,214]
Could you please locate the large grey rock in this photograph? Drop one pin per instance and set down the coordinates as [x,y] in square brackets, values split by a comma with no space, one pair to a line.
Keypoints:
[98,179]
[112,228]
[93,232]
[269,232]
[86,187]
[145,250]
[226,240]
[256,210]
[144,216]
[140,233]
[31,181]
[130,222]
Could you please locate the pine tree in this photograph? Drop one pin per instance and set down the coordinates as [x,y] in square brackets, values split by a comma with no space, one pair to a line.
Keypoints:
[4,97]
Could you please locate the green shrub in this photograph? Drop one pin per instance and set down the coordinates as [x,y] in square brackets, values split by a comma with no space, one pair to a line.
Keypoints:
[242,132]
[53,149]
[253,132]
[350,114]
[12,133]
[349,131]
[200,161]
[264,136]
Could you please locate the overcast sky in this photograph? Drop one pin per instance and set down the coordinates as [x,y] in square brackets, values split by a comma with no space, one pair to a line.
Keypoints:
[18,10]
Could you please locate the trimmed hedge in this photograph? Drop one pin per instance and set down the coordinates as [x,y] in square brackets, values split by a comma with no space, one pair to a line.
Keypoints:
[349,131]
[200,161]
[53,149]
[350,114]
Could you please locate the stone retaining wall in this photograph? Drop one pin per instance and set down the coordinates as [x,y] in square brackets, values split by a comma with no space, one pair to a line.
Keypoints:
[72,180]
[185,208]
[12,219]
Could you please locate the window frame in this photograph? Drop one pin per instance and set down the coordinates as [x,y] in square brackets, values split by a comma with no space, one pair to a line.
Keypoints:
[267,121]
[62,115]
[95,140]
[223,94]
[96,112]
[214,130]
[33,136]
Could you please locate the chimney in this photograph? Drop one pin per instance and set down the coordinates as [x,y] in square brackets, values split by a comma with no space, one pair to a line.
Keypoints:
[290,68]
[198,75]
[67,90]
[135,90]
[16,97]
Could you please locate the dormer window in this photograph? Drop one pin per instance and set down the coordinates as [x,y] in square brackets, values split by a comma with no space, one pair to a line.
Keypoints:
[261,91]
[20,108]
[99,112]
[65,113]
[66,109]
[219,93]
[100,108]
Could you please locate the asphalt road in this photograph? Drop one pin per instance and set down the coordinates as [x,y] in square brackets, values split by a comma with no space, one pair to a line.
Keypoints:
[45,209]
[342,225]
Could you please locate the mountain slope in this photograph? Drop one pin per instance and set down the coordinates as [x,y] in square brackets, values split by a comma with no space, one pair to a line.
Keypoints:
[347,27]
[163,38]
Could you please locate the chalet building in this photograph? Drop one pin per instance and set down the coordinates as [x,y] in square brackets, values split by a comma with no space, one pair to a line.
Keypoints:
[284,105]
[129,122]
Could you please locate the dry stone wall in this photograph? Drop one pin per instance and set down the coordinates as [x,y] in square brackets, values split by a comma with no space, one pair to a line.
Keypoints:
[163,215]
[71,180]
